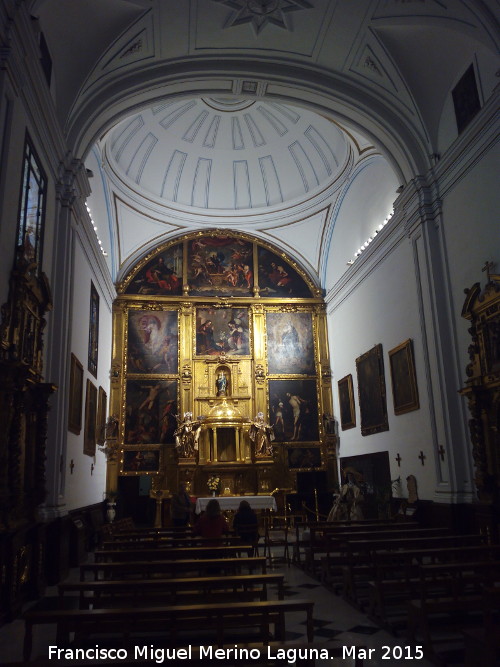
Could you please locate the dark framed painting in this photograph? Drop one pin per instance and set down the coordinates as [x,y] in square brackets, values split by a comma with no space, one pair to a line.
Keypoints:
[93,330]
[140,461]
[294,410]
[222,330]
[304,458]
[90,432]
[150,409]
[371,392]
[403,378]
[153,341]
[75,396]
[220,265]
[161,275]
[102,409]
[346,403]
[278,278]
[466,99]
[290,343]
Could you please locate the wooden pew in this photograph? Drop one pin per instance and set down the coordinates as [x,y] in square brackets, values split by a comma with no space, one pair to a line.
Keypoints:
[169,542]
[140,592]
[360,568]
[324,542]
[145,569]
[170,553]
[397,576]
[168,621]
[312,534]
[461,604]
[482,645]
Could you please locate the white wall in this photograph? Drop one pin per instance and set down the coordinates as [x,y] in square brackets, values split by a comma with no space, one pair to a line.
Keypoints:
[83,488]
[383,308]
[365,203]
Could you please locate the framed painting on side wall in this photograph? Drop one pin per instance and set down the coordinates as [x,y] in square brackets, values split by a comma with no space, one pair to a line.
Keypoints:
[93,329]
[90,434]
[75,396]
[371,390]
[403,378]
[346,402]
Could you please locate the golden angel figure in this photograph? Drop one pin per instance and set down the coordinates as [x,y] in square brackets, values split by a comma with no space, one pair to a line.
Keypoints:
[187,436]
[262,435]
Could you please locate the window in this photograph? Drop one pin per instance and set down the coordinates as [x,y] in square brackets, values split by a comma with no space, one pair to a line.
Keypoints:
[32,210]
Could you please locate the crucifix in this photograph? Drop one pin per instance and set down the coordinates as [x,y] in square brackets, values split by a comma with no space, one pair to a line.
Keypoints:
[71,466]
[441,452]
[91,469]
[399,459]
[487,267]
[422,456]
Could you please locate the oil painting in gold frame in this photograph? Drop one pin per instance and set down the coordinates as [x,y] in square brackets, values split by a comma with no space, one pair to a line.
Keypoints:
[346,403]
[403,378]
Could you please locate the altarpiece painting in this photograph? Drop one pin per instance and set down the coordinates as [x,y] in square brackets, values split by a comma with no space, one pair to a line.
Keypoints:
[152,341]
[151,406]
[220,265]
[290,343]
[294,410]
[222,330]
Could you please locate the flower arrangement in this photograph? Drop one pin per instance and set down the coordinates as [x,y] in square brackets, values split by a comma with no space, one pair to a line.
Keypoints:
[214,483]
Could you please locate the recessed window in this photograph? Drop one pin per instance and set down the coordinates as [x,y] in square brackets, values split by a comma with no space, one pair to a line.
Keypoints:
[466,99]
[32,210]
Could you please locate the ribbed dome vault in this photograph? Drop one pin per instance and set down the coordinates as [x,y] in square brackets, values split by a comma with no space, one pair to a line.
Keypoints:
[227,153]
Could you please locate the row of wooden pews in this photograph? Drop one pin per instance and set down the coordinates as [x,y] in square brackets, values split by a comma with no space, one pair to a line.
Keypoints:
[436,589]
[155,592]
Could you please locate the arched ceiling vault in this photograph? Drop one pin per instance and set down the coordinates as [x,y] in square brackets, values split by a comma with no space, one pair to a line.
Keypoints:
[376,73]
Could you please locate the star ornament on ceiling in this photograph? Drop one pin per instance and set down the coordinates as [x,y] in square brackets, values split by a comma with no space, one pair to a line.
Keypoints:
[263,12]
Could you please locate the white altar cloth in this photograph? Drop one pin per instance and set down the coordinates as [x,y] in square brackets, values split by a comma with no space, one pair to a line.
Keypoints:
[233,502]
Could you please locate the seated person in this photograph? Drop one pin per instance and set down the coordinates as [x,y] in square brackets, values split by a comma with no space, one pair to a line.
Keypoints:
[211,524]
[245,523]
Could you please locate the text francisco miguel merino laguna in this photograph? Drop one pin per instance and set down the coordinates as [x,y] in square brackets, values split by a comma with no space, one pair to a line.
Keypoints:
[161,655]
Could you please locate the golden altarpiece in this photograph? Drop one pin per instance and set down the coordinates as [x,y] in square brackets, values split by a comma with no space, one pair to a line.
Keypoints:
[482,390]
[215,328]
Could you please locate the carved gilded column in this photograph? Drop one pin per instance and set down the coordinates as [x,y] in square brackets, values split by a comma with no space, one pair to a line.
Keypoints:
[186,325]
[259,359]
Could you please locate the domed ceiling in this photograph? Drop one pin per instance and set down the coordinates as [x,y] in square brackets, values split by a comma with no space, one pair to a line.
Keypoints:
[227,153]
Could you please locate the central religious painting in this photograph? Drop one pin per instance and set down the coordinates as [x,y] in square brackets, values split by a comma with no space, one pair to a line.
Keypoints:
[220,265]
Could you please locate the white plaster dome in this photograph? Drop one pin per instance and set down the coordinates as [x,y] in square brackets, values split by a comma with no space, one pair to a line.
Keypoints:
[227,153]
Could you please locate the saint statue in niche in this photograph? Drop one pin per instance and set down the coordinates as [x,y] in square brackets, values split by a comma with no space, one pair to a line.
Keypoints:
[187,436]
[262,435]
[221,384]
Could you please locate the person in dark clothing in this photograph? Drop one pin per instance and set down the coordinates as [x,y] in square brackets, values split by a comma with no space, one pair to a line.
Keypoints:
[180,507]
[211,524]
[245,523]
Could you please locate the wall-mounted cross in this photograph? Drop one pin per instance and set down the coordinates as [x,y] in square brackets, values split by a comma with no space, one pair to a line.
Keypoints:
[399,459]
[71,466]
[422,456]
[441,452]
[487,267]
[91,469]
